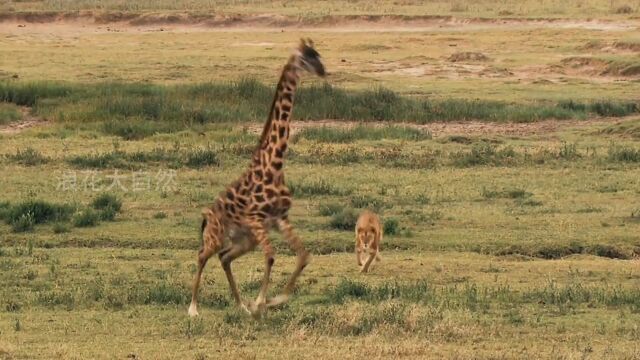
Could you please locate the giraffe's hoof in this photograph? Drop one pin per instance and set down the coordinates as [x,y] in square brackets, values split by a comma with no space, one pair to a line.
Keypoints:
[193,310]
[246,306]
[257,309]
[278,300]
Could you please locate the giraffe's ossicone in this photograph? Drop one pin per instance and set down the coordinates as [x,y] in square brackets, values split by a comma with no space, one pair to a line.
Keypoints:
[259,200]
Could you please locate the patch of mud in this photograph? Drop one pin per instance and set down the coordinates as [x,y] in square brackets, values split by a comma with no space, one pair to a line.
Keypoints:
[445,129]
[27,121]
[468,56]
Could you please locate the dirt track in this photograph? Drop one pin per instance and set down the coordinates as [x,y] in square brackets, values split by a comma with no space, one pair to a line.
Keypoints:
[439,129]
[185,22]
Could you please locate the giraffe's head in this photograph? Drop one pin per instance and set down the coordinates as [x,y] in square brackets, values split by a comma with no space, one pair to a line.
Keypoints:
[308,58]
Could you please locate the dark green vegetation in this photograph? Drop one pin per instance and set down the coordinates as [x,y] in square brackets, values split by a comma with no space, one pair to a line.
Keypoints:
[25,215]
[134,111]
[362,132]
[9,113]
[173,158]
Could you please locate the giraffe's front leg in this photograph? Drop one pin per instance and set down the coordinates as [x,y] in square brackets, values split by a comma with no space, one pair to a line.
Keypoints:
[259,306]
[302,261]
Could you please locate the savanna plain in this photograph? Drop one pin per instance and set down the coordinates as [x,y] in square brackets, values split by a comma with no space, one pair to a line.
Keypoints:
[498,141]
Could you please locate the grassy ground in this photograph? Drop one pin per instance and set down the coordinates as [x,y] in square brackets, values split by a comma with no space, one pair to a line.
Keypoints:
[305,8]
[527,238]
[515,236]
[521,64]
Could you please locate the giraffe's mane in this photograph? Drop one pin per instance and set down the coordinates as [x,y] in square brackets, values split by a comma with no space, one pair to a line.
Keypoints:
[267,125]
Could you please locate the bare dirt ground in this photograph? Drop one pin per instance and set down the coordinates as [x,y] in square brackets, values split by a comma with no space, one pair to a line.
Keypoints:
[28,121]
[73,23]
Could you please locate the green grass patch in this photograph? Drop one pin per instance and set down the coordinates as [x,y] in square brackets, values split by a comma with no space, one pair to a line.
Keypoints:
[624,154]
[485,154]
[9,113]
[135,111]
[362,132]
[320,187]
[344,220]
[505,193]
[86,218]
[329,209]
[196,157]
[27,157]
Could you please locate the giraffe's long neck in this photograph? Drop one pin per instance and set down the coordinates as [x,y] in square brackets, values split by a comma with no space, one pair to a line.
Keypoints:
[275,135]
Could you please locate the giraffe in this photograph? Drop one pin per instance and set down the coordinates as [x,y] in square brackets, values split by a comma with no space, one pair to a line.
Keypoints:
[259,200]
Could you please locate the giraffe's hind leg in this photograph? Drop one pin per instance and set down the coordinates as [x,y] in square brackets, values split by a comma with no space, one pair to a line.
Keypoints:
[226,257]
[301,261]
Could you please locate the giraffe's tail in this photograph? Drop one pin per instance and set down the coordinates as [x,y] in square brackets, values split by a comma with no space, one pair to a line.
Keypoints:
[204,225]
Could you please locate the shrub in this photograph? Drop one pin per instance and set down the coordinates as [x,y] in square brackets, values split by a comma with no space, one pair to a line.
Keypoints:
[107,201]
[108,214]
[59,228]
[391,226]
[23,223]
[160,215]
[86,218]
[345,220]
[40,211]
